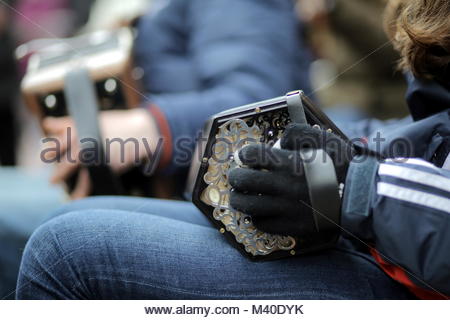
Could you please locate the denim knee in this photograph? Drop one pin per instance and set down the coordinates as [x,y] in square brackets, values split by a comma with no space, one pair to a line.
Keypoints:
[46,271]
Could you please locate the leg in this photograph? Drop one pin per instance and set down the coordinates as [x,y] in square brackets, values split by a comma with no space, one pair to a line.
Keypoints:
[105,254]
[179,210]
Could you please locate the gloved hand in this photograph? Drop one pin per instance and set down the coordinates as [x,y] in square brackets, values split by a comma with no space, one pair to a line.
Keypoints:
[303,136]
[272,187]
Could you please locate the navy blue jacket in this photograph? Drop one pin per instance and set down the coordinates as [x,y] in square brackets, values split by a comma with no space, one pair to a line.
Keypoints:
[201,57]
[402,207]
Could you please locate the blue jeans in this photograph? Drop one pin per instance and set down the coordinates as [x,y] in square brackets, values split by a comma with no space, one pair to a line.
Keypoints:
[127,248]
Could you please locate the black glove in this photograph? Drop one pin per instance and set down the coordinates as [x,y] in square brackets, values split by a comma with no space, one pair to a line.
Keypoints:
[303,136]
[272,187]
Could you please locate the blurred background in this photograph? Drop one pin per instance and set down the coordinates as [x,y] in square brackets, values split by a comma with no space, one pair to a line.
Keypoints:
[22,21]
[353,61]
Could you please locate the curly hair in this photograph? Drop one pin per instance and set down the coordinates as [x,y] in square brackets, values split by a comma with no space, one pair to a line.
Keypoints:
[420,32]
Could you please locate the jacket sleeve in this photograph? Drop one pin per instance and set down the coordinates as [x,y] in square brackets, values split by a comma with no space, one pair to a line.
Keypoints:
[242,51]
[402,209]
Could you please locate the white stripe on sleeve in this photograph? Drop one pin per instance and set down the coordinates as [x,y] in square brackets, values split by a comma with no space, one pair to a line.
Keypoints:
[413,196]
[415,161]
[415,175]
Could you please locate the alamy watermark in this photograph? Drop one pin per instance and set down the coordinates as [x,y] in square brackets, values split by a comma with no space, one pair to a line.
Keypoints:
[148,153]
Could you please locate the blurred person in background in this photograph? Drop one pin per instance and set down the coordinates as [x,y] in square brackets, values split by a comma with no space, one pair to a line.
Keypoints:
[24,188]
[199,57]
[116,248]
[20,22]
[223,58]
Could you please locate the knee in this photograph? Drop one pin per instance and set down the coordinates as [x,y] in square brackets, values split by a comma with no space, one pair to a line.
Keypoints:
[45,270]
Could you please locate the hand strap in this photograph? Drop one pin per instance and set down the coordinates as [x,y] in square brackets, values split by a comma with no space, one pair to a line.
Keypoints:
[320,174]
[82,107]
[295,107]
[323,189]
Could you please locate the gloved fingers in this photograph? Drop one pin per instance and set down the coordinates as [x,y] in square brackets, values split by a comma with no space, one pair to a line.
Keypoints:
[274,214]
[259,182]
[302,136]
[261,205]
[263,156]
